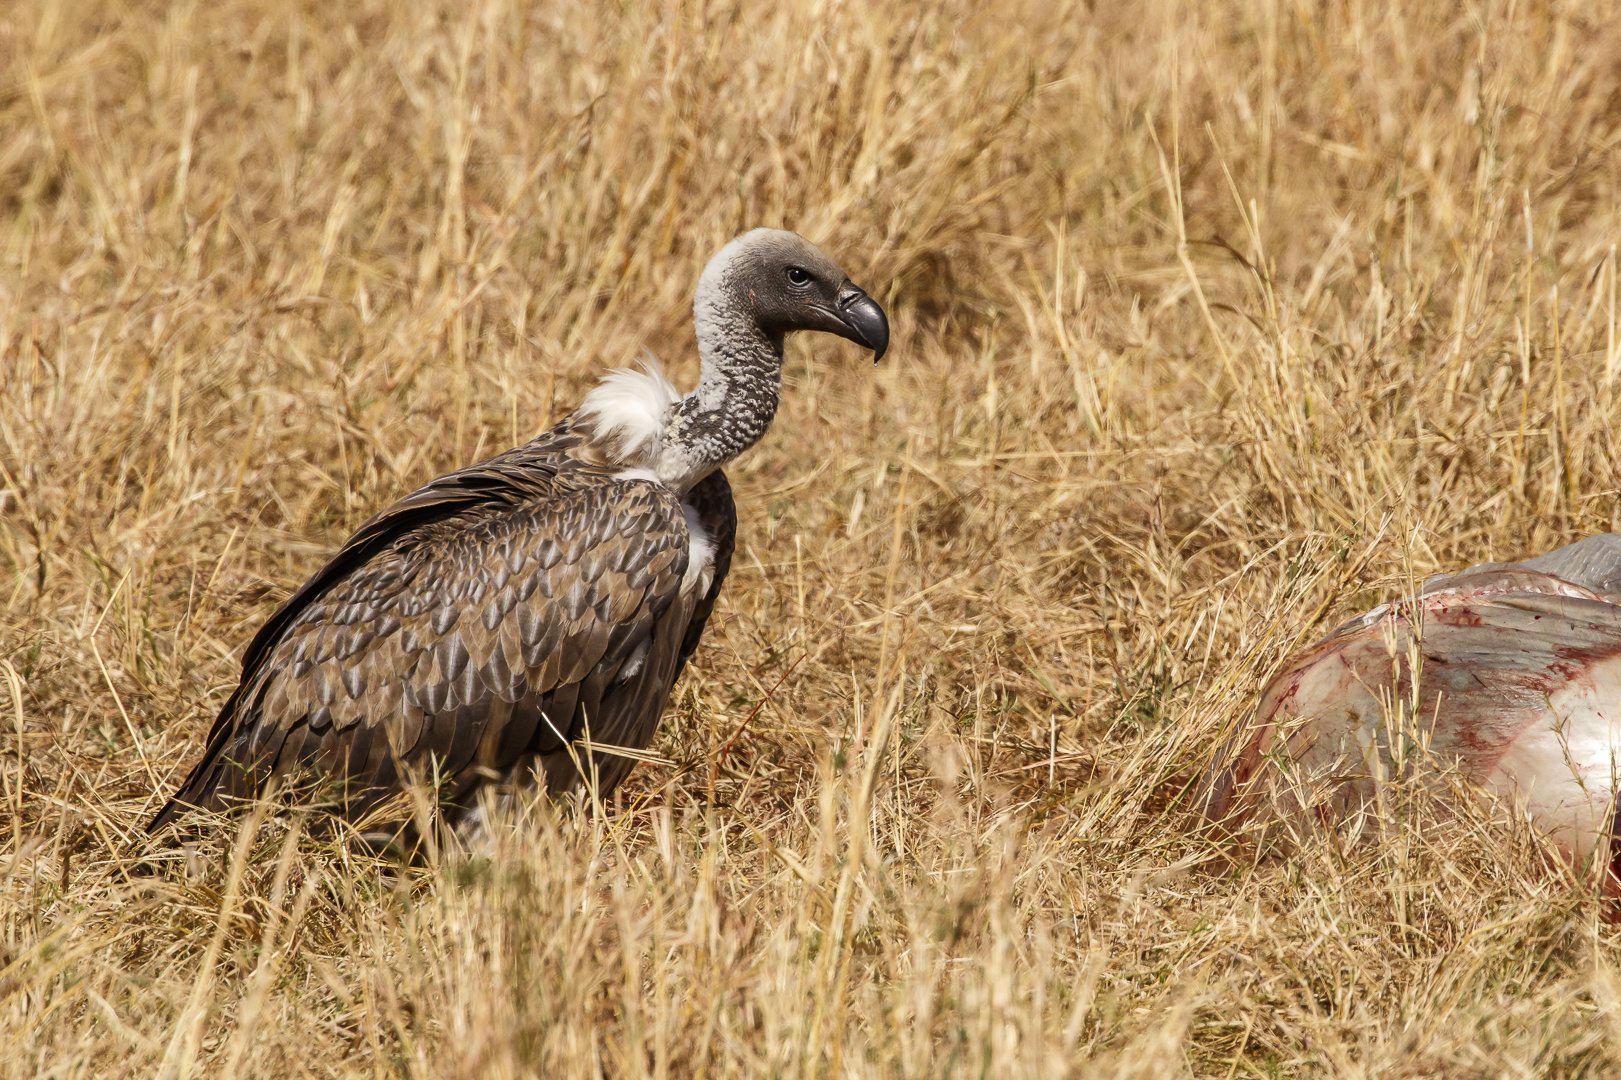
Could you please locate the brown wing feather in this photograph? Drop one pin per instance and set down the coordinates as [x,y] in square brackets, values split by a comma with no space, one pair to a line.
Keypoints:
[460,631]
[626,711]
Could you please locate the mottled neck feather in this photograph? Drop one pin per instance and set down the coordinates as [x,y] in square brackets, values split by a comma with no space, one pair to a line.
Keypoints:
[736,398]
[638,420]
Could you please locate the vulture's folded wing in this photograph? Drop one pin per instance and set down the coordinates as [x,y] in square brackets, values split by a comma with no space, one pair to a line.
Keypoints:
[481,619]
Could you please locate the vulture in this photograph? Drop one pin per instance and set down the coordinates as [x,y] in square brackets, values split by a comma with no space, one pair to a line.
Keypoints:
[494,624]
[1519,693]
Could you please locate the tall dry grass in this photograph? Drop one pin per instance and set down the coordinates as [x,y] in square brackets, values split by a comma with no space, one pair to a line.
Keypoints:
[1212,322]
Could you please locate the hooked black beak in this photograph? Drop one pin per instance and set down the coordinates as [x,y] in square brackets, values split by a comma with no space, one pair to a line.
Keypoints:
[864,319]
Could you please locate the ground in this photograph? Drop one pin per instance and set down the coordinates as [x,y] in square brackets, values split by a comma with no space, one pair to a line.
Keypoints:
[1213,323]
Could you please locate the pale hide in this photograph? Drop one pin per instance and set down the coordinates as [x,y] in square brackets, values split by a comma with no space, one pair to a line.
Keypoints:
[1519,695]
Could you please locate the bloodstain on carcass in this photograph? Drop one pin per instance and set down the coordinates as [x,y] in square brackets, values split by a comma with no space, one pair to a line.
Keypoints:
[1519,693]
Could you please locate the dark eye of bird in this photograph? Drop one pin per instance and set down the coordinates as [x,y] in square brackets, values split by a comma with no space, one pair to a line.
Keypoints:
[798,277]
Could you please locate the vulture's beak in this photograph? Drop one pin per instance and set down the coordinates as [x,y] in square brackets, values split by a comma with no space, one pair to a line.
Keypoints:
[864,320]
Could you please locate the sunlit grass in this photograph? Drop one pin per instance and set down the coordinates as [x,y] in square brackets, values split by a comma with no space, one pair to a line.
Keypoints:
[1212,323]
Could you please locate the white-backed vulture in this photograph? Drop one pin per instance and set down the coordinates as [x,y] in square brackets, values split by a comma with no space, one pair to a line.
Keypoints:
[474,631]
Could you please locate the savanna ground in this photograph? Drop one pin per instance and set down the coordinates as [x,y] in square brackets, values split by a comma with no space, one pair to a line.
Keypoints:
[1213,322]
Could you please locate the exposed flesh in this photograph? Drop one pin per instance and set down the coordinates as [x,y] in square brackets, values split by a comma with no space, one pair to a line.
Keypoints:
[1519,691]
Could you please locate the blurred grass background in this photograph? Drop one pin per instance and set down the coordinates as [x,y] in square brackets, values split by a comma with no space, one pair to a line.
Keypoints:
[1212,322]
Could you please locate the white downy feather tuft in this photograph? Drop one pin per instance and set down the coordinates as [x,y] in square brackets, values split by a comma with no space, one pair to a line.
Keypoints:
[628,409]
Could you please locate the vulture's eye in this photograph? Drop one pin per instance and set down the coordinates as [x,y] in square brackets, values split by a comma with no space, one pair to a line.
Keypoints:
[798,278]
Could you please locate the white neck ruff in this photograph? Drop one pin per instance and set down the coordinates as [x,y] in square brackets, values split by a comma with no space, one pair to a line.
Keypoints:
[629,412]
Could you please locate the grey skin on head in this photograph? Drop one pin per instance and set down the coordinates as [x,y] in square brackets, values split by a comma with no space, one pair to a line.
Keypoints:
[479,631]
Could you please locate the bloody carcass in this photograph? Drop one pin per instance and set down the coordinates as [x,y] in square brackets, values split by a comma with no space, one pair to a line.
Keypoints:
[1518,669]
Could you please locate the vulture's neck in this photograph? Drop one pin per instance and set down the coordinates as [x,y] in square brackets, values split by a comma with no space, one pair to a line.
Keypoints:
[737,393]
[641,422]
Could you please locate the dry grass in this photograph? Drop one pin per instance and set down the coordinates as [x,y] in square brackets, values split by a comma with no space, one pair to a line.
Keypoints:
[265,267]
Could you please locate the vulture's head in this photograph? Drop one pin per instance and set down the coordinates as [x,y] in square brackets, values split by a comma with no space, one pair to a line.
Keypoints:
[781,282]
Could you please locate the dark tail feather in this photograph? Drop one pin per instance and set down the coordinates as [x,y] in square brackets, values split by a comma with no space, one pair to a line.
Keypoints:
[170,812]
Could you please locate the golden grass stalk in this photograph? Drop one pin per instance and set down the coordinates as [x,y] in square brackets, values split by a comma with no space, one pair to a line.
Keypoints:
[1212,323]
